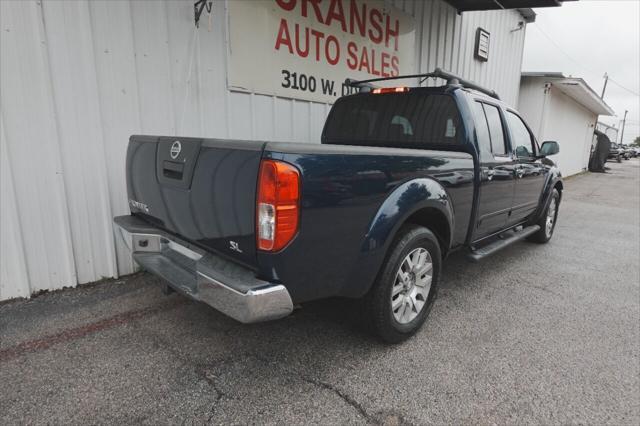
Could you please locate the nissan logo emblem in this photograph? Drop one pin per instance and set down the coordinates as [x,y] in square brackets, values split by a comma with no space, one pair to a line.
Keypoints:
[176,147]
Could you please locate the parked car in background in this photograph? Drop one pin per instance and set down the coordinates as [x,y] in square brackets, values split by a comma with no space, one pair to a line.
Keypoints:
[403,177]
[615,152]
[631,151]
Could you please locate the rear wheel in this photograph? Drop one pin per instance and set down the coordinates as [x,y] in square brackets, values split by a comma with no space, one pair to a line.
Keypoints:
[401,298]
[548,220]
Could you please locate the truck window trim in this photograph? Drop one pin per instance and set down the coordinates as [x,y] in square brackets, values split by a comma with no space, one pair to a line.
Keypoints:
[536,148]
[505,131]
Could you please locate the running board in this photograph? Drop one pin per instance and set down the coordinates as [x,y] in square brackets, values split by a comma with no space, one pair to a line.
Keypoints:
[510,237]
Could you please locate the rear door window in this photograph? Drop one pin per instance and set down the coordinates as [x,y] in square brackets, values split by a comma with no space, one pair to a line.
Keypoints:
[408,120]
[489,130]
[482,131]
[495,129]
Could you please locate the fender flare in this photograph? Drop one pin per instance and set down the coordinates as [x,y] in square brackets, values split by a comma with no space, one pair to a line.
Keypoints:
[552,181]
[404,201]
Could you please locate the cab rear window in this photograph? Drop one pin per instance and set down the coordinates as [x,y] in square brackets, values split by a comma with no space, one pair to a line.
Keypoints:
[408,120]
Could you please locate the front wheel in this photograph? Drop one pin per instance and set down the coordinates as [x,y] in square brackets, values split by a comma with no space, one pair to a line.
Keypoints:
[548,220]
[403,294]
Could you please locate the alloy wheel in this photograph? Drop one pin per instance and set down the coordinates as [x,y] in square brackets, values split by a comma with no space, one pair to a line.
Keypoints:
[412,285]
[551,217]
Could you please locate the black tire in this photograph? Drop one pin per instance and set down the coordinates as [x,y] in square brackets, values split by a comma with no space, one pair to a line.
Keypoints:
[544,234]
[378,302]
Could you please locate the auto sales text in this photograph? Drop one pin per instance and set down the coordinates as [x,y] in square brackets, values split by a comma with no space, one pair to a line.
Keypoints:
[376,55]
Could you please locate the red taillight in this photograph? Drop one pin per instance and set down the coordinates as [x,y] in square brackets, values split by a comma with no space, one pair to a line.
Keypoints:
[390,90]
[277,206]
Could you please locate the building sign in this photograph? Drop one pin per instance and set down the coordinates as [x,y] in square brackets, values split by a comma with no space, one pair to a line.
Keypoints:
[305,49]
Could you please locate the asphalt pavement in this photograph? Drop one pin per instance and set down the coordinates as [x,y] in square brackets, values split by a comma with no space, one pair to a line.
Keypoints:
[536,334]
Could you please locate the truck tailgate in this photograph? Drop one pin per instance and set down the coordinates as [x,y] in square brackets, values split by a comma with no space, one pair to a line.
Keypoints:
[201,189]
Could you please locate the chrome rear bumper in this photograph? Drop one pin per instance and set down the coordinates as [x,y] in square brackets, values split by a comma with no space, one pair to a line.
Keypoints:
[230,288]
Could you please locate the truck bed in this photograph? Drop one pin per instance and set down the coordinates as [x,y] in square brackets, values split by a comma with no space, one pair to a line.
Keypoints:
[207,195]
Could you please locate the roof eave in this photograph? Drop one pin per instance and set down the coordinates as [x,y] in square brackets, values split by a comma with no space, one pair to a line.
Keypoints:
[586,96]
[604,109]
[548,74]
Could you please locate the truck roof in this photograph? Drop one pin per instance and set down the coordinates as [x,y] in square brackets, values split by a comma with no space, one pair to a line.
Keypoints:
[443,89]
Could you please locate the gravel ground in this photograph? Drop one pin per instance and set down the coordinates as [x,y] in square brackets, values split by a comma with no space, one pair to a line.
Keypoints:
[542,334]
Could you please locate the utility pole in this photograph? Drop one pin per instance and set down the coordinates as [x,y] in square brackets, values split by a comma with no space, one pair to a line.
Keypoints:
[624,121]
[606,80]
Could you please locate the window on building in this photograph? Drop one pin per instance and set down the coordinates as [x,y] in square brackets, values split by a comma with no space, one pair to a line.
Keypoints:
[521,138]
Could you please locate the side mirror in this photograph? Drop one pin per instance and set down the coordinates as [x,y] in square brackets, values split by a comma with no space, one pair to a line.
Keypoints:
[549,148]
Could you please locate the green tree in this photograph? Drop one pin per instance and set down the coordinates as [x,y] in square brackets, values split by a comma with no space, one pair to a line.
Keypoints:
[636,142]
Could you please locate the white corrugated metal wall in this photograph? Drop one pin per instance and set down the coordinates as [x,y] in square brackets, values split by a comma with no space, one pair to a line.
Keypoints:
[79,77]
[555,116]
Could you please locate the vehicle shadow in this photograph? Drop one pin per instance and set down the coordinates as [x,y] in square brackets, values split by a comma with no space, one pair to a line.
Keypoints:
[320,329]
[323,347]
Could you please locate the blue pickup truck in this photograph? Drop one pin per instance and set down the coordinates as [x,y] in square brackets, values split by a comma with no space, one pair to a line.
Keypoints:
[404,177]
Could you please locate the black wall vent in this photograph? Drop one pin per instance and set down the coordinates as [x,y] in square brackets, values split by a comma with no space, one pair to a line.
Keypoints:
[481,52]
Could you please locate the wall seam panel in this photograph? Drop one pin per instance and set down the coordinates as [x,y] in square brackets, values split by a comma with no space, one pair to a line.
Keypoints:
[64,204]
[24,280]
[110,238]
[135,65]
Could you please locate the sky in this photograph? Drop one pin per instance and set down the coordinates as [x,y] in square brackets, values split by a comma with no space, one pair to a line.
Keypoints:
[586,39]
